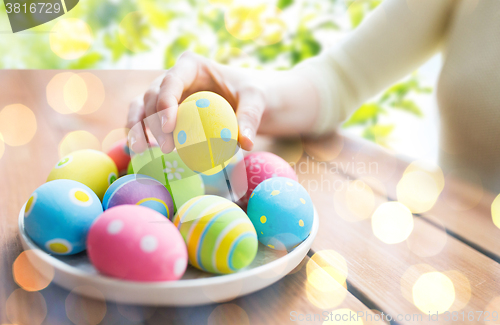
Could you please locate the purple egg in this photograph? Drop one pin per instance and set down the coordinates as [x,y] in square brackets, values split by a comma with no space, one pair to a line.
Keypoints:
[141,190]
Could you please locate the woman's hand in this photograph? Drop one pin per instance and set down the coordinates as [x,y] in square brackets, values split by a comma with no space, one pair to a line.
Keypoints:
[280,96]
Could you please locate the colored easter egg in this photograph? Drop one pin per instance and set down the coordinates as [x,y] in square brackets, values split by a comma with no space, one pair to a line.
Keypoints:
[58,216]
[260,166]
[120,153]
[90,167]
[219,236]
[133,242]
[206,132]
[139,190]
[169,169]
[282,213]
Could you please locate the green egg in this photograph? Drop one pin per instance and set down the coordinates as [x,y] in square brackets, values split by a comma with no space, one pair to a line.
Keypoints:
[169,169]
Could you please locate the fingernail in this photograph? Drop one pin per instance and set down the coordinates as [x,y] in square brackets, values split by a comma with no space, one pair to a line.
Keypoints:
[163,120]
[248,134]
[132,140]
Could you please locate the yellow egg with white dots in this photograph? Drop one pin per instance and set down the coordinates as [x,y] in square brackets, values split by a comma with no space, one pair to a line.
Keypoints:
[90,167]
[206,133]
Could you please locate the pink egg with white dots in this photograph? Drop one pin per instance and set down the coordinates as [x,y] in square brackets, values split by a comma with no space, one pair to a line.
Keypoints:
[261,166]
[136,243]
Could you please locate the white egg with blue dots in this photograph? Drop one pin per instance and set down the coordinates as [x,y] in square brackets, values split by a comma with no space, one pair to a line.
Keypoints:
[58,215]
[282,213]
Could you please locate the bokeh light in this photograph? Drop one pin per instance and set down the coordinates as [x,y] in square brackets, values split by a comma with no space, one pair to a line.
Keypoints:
[78,140]
[55,93]
[29,276]
[81,93]
[433,292]
[411,276]
[325,299]
[462,289]
[17,124]
[392,222]
[75,93]
[70,38]
[420,186]
[326,267]
[495,209]
[429,168]
[342,316]
[113,137]
[346,201]
[326,279]
[418,191]
[228,314]
[26,308]
[82,310]
[426,240]
[463,190]
[2,146]
[445,298]
[96,93]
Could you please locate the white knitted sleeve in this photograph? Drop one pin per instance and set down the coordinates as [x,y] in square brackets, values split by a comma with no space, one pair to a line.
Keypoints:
[394,40]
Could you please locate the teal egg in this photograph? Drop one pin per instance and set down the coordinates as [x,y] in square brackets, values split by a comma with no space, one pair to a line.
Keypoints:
[58,216]
[282,213]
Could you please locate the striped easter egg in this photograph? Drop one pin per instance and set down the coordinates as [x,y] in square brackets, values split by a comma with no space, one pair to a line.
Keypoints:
[142,190]
[219,236]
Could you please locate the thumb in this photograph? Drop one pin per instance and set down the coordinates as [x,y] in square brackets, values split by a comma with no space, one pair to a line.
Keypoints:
[251,106]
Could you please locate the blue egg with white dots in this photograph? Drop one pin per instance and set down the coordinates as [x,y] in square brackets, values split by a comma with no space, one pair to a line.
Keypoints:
[202,103]
[181,137]
[58,216]
[282,213]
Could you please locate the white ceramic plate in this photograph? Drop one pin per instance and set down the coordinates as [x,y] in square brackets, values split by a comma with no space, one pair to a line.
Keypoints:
[195,287]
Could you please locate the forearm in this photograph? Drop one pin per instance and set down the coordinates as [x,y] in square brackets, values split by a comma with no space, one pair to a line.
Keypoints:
[290,99]
[394,40]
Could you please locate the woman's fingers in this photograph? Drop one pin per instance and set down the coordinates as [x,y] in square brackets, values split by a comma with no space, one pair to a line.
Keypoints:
[176,81]
[251,106]
[135,112]
[136,138]
[153,119]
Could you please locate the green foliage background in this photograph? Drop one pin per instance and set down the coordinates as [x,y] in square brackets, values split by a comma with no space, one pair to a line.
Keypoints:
[171,27]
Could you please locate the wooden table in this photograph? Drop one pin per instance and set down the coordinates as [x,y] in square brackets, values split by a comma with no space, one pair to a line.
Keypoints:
[456,238]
